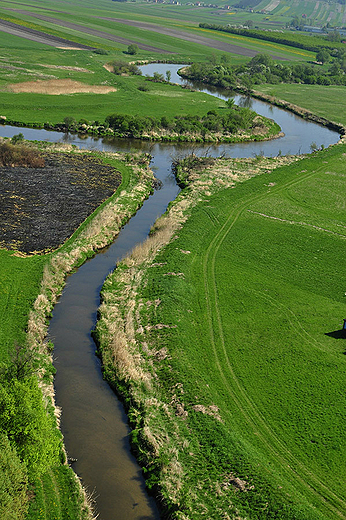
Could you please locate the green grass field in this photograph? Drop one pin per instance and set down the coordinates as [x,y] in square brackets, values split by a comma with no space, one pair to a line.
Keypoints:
[257,291]
[326,101]
[248,380]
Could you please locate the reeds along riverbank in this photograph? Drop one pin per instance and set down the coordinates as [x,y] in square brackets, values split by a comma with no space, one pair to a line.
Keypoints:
[95,233]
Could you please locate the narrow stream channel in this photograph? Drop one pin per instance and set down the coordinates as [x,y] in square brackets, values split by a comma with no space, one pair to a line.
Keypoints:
[94,424]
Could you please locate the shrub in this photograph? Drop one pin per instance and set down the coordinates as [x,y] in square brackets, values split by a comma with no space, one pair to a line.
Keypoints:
[132,49]
[30,429]
[101,51]
[13,483]
[20,155]
[122,67]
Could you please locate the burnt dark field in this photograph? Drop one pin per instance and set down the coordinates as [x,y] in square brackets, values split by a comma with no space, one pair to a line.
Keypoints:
[41,207]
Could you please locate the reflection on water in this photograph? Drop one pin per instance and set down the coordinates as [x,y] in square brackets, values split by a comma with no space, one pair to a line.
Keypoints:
[245,102]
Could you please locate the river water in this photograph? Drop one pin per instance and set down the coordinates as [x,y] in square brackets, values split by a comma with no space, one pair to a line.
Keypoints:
[93,423]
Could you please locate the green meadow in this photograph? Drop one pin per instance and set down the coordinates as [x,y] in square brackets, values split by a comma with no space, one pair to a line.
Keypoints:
[246,415]
[243,401]
[325,101]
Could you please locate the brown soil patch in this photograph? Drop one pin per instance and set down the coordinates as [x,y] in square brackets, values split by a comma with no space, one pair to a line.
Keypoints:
[59,86]
[41,207]
[65,67]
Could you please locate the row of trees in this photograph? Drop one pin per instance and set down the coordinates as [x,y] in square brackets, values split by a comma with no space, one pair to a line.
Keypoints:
[229,122]
[299,40]
[263,69]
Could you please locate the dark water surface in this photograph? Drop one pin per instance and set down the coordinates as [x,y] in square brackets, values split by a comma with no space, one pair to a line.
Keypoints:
[94,424]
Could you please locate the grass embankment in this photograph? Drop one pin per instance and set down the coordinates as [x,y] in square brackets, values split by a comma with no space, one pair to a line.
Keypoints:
[227,349]
[34,473]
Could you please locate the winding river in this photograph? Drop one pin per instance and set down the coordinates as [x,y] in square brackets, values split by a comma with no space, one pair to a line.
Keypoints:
[94,424]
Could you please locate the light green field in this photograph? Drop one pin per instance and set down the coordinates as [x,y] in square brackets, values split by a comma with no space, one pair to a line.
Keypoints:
[161,99]
[326,101]
[247,330]
[185,20]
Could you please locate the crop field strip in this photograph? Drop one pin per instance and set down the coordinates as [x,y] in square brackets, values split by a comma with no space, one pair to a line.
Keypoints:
[239,45]
[197,38]
[38,36]
[93,32]
[250,413]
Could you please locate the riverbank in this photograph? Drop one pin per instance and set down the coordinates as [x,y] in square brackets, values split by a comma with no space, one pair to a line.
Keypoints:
[43,277]
[207,129]
[291,107]
[192,427]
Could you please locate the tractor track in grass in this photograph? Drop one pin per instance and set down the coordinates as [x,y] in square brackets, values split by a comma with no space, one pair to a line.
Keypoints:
[289,464]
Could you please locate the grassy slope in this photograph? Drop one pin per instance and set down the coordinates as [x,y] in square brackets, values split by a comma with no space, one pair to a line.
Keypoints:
[161,99]
[249,318]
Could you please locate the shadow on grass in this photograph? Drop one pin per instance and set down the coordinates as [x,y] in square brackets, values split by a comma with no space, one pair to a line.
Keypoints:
[337,334]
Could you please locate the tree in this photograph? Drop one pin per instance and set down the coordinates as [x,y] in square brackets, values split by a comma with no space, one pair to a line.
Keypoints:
[18,138]
[132,49]
[322,56]
[168,75]
[69,123]
[230,102]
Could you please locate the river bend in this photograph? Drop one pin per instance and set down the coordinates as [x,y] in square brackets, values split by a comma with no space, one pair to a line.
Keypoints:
[93,422]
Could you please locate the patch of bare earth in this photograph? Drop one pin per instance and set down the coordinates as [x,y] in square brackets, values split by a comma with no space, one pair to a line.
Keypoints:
[59,86]
[65,67]
[41,207]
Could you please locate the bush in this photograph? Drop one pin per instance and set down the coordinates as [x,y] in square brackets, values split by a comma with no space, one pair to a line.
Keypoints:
[101,51]
[20,155]
[13,483]
[132,49]
[30,429]
[122,67]
[18,138]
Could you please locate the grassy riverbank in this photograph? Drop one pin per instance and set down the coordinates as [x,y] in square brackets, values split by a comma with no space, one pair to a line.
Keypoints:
[35,482]
[325,101]
[226,347]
